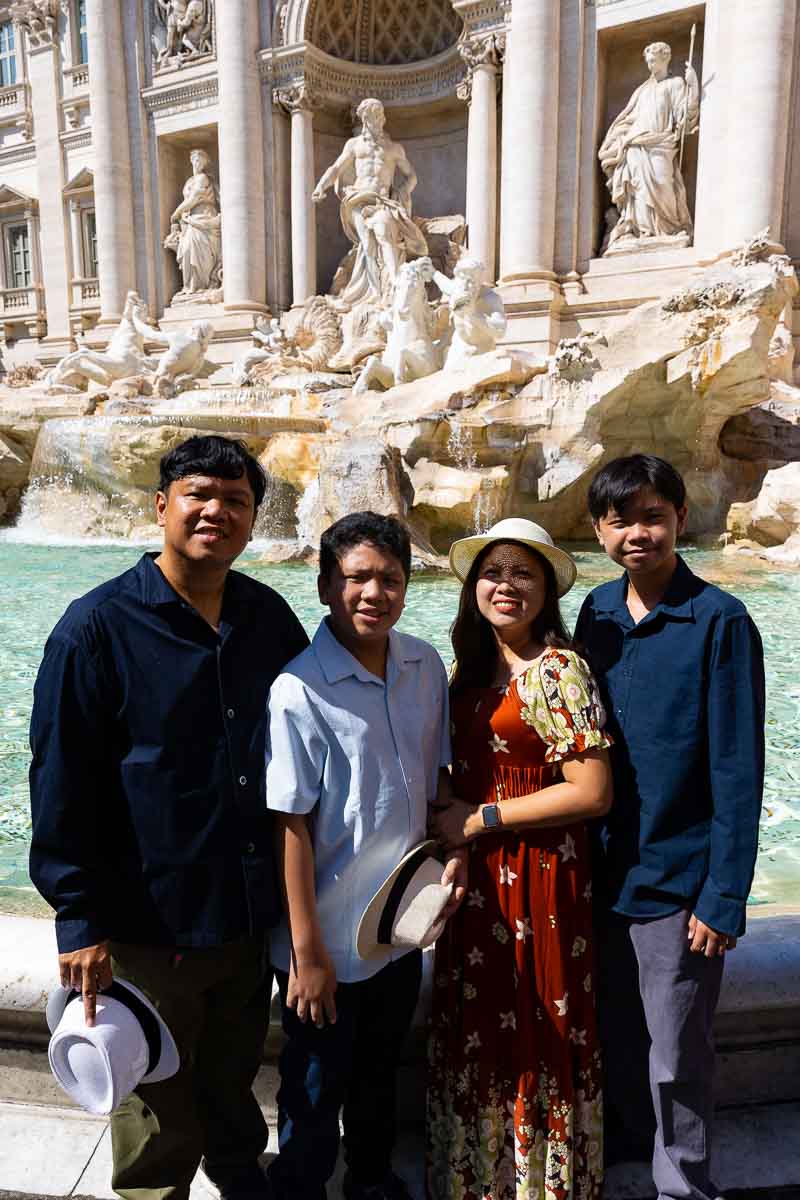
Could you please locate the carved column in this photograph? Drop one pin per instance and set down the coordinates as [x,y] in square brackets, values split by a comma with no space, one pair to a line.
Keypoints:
[241,157]
[76,231]
[113,187]
[756,78]
[482,56]
[299,102]
[40,23]
[530,142]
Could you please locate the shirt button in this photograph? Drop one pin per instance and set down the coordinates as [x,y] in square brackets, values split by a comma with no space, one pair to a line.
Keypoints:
[243,780]
[231,713]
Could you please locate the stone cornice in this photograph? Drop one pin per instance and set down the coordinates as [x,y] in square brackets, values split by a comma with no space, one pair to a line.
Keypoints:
[181,97]
[39,19]
[482,16]
[341,84]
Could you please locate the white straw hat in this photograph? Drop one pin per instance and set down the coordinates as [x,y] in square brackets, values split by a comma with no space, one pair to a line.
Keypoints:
[515,529]
[129,1044]
[406,910]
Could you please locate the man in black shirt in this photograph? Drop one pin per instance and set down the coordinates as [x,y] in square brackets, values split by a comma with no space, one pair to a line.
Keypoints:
[151,837]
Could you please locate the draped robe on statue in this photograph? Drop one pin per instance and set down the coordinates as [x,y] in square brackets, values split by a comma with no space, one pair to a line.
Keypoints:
[640,159]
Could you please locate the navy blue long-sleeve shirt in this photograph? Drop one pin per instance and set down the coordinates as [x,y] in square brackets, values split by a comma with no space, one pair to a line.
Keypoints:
[684,690]
[148,733]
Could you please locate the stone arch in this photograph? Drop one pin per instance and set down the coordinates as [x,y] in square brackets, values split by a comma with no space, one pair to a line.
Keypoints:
[380,33]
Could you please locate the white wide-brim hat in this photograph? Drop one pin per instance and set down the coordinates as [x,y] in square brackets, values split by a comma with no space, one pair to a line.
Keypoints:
[407,908]
[515,529]
[129,1044]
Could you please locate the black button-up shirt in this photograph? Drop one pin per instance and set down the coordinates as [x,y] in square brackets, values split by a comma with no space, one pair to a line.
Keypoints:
[148,733]
[684,689]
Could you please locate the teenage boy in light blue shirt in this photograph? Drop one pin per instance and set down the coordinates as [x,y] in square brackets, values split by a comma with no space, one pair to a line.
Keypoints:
[359,745]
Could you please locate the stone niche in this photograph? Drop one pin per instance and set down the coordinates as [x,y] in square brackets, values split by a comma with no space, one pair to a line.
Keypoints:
[174,168]
[435,140]
[621,69]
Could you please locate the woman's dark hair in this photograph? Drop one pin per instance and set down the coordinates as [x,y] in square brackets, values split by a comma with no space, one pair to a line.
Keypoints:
[220,457]
[385,533]
[620,480]
[474,644]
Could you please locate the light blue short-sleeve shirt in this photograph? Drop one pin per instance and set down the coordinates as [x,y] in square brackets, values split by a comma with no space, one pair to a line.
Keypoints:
[362,755]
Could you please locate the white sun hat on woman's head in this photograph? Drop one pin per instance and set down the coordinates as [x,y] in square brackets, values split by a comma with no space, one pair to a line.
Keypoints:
[515,529]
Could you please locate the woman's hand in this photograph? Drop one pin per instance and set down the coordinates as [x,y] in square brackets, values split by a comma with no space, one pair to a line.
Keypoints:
[312,985]
[456,824]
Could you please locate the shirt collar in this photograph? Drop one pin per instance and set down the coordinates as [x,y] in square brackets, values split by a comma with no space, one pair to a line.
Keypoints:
[676,602]
[156,590]
[338,663]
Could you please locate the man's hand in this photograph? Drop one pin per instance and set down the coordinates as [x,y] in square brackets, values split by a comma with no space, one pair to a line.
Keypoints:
[87,971]
[312,984]
[705,940]
[451,826]
[455,872]
[318,195]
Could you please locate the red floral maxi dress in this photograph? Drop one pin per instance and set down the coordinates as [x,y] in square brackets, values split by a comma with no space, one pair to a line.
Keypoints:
[514,1091]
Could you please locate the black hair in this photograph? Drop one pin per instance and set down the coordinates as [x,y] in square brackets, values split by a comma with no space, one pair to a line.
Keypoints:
[474,643]
[620,480]
[385,533]
[220,457]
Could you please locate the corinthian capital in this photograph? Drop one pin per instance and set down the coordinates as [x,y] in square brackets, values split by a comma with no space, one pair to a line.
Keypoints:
[39,19]
[297,97]
[482,49]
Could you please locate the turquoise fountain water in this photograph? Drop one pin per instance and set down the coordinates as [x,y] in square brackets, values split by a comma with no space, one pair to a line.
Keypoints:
[38,581]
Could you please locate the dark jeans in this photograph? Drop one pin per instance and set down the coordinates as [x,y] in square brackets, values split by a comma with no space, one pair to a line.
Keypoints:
[657,1002]
[351,1065]
[216,1003]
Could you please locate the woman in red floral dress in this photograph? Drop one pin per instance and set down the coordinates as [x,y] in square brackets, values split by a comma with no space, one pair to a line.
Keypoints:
[514,1097]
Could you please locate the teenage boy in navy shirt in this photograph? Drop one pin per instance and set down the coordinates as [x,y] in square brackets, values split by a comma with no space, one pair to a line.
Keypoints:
[680,665]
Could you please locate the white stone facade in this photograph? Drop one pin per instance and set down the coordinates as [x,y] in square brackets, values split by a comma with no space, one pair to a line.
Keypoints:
[501,105]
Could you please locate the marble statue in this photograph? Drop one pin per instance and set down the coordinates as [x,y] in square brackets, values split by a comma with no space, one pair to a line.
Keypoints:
[477,313]
[273,344]
[374,180]
[640,155]
[188,29]
[196,234]
[183,359]
[410,351]
[124,355]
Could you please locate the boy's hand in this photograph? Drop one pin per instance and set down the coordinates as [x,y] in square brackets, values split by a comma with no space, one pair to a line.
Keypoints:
[451,826]
[705,940]
[455,872]
[312,984]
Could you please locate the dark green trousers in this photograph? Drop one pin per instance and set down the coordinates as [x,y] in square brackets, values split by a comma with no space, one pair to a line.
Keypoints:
[216,1003]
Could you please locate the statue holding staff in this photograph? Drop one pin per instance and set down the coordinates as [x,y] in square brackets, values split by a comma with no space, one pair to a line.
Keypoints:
[640,153]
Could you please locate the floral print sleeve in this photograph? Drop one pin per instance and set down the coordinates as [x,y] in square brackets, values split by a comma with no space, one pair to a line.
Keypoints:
[561,702]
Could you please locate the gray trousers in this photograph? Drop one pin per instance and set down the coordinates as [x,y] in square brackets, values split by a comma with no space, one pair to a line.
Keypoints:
[657,1002]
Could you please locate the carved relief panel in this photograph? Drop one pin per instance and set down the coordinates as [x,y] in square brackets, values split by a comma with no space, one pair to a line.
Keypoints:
[183,31]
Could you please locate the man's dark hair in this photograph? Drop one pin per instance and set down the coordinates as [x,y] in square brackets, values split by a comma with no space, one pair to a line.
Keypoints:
[385,533]
[224,458]
[620,480]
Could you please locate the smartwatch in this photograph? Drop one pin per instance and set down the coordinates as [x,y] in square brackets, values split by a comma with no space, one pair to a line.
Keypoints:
[491,816]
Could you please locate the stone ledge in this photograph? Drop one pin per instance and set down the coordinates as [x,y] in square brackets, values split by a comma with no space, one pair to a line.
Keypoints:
[757,1025]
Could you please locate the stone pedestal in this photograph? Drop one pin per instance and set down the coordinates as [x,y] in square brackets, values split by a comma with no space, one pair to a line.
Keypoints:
[241,158]
[113,187]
